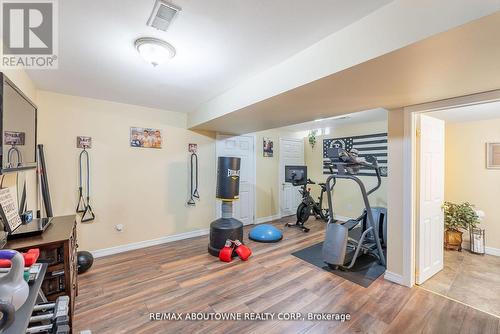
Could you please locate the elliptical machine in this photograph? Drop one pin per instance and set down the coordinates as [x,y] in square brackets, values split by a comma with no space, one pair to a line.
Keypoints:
[343,241]
[297,175]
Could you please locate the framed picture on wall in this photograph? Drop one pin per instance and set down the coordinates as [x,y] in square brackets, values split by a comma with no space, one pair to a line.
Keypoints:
[268,147]
[145,137]
[493,155]
[14,138]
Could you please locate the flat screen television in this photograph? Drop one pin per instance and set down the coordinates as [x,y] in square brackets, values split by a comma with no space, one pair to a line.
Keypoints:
[297,175]
[18,128]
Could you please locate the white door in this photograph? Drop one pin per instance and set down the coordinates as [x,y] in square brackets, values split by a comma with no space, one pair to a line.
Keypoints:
[291,153]
[242,147]
[430,228]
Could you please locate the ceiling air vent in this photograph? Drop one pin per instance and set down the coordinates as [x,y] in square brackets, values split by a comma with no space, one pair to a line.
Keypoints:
[163,14]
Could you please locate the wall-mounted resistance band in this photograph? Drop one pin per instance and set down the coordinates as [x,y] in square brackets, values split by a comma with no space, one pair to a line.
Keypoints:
[11,151]
[194,179]
[83,205]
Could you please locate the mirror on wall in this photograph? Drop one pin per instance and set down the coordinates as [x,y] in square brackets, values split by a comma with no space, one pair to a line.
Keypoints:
[18,126]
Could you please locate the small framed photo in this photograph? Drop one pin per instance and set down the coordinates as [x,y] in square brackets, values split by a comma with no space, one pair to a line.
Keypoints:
[145,137]
[493,155]
[14,138]
[268,147]
[83,142]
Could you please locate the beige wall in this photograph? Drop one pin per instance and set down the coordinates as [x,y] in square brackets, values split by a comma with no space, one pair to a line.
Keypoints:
[21,80]
[267,183]
[395,181]
[467,179]
[143,189]
[346,198]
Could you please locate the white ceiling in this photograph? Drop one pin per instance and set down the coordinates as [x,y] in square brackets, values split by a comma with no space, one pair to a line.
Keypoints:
[472,113]
[458,62]
[372,115]
[218,42]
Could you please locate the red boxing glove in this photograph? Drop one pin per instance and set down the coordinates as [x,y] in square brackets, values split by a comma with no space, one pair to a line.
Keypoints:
[226,253]
[243,251]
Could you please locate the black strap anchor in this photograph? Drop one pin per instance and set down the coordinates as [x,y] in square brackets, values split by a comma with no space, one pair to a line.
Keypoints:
[194,180]
[84,203]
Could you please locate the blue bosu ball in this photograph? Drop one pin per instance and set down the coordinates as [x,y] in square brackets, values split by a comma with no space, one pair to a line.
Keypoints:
[265,233]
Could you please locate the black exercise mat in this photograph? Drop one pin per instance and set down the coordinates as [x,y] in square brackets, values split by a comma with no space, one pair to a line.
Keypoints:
[365,271]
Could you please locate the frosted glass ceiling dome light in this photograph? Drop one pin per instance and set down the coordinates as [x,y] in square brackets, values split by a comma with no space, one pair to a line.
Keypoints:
[153,50]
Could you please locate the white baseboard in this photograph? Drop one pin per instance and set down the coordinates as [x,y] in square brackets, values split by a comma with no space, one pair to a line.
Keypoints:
[395,278]
[492,251]
[487,250]
[148,243]
[267,219]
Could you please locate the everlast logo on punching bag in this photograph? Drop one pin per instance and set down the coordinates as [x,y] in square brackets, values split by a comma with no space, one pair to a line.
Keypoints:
[233,173]
[228,178]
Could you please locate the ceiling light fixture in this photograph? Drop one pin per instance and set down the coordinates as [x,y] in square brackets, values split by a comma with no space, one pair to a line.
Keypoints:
[153,50]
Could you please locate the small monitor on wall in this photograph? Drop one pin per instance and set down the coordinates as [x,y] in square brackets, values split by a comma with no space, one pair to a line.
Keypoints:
[297,175]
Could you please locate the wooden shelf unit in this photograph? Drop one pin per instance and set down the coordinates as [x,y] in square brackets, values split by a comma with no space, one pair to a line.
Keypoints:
[58,247]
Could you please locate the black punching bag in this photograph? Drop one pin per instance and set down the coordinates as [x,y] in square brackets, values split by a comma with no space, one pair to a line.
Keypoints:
[228,190]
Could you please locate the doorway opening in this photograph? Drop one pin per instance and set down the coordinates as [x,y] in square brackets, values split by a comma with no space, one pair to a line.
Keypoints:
[455,181]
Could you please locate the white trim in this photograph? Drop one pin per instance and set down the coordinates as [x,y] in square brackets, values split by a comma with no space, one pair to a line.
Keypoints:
[148,243]
[267,219]
[409,208]
[487,250]
[255,152]
[492,251]
[281,170]
[394,278]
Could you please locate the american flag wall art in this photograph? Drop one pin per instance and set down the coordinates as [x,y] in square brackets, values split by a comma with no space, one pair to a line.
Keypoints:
[373,144]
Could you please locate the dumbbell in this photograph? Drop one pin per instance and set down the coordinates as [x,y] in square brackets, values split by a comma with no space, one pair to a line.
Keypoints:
[58,318]
[30,257]
[60,308]
[59,325]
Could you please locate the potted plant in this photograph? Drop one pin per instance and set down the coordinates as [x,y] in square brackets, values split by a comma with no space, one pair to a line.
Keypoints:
[457,217]
[312,138]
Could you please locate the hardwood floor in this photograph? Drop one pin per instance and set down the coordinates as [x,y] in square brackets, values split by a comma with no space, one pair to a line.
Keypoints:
[119,292]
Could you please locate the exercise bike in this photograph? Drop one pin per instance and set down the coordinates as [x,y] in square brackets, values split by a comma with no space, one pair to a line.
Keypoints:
[308,206]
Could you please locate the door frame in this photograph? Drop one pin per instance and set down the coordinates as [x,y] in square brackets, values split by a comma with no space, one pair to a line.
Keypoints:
[281,172]
[410,169]
[254,151]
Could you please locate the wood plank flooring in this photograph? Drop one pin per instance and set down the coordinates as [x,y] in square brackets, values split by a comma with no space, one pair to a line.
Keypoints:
[119,292]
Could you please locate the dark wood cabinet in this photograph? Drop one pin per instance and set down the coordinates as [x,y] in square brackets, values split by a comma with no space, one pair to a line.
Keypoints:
[58,247]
